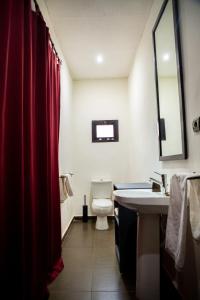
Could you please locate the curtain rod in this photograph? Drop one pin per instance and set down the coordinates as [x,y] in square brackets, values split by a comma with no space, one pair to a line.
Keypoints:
[52,43]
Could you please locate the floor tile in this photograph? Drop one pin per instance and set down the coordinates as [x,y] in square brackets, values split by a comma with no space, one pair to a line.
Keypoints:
[80,240]
[80,234]
[103,240]
[73,280]
[76,258]
[91,269]
[69,295]
[113,296]
[109,279]
[105,257]
[90,264]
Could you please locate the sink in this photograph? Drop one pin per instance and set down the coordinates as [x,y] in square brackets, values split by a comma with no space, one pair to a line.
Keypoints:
[143,201]
[148,205]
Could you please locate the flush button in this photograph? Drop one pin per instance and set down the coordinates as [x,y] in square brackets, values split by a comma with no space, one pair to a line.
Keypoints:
[196,124]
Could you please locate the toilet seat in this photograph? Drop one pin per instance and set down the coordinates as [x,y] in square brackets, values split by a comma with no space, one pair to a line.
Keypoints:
[102,203]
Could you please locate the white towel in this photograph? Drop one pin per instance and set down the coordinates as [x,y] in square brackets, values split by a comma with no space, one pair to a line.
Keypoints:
[63,190]
[177,219]
[194,202]
[68,187]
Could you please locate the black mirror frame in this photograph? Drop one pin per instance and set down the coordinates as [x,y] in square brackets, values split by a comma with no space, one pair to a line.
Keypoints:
[184,154]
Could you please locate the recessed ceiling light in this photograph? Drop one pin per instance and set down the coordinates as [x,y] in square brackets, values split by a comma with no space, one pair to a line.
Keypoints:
[99,59]
[166,57]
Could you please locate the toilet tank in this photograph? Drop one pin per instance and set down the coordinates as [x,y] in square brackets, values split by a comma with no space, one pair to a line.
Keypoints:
[101,189]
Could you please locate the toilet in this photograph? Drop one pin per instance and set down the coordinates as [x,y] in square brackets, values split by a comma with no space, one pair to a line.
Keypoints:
[102,204]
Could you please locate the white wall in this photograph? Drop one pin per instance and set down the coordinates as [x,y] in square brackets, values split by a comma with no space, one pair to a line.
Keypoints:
[98,100]
[142,98]
[65,142]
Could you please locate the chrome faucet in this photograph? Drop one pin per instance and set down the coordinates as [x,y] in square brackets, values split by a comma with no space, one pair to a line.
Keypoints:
[162,183]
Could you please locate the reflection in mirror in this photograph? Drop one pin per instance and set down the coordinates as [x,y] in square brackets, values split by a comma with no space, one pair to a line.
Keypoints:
[169,84]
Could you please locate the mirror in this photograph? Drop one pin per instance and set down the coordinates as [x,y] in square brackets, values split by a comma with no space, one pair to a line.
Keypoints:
[169,84]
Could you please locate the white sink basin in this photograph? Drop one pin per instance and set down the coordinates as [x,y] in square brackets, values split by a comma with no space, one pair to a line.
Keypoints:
[143,201]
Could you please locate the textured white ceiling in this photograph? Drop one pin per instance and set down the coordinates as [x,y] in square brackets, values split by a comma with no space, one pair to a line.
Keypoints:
[87,27]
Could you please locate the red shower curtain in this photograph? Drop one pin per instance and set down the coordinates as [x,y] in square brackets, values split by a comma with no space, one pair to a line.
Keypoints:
[30,237]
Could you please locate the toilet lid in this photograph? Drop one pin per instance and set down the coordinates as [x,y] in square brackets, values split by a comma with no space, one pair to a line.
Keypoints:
[102,202]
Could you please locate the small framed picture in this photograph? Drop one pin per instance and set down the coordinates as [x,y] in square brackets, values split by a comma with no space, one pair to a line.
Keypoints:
[105,131]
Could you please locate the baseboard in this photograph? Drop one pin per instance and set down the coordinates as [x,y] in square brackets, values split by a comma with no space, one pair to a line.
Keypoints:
[80,218]
[111,217]
[92,218]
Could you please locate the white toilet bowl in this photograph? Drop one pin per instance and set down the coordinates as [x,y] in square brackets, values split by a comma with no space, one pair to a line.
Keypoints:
[102,205]
[102,208]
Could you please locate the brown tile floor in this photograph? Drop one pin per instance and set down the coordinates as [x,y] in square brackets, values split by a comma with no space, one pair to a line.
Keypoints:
[91,270]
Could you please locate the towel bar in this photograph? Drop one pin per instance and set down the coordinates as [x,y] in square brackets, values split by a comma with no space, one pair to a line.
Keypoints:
[195,177]
[66,174]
